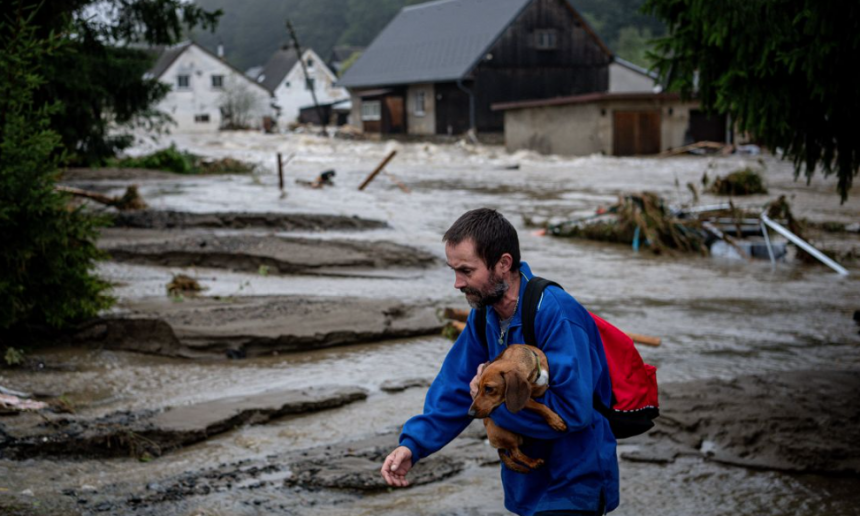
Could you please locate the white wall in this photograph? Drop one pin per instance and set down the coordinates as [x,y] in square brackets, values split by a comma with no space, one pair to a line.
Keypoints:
[291,94]
[200,98]
[624,80]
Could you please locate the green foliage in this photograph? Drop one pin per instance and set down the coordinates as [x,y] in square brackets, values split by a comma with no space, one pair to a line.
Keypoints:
[97,77]
[785,70]
[48,250]
[745,181]
[623,27]
[182,162]
[13,356]
[169,160]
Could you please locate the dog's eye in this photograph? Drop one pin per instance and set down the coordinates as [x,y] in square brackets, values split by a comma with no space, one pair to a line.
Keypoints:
[488,389]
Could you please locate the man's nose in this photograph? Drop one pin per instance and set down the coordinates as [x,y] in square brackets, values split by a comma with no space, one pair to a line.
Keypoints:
[459,282]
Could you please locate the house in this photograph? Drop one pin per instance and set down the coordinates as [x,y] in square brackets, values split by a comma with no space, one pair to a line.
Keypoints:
[618,124]
[285,79]
[438,67]
[626,77]
[340,54]
[207,93]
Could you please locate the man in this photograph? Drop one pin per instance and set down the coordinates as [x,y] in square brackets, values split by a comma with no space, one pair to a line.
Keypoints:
[580,476]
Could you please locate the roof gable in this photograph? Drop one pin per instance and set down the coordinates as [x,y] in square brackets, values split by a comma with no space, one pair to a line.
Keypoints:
[171,54]
[432,42]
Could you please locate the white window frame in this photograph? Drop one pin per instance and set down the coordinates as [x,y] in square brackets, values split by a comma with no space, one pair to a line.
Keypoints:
[371,110]
[546,39]
[179,81]
[420,103]
[220,80]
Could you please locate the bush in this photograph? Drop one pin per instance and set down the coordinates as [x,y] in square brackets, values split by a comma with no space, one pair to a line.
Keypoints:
[48,251]
[745,181]
[183,162]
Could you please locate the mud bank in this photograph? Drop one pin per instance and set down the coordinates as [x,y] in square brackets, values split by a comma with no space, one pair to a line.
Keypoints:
[153,433]
[118,173]
[165,219]
[290,482]
[250,252]
[253,326]
[804,422]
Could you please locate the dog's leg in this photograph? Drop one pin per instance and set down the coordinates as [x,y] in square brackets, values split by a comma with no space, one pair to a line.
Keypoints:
[521,457]
[552,419]
[512,464]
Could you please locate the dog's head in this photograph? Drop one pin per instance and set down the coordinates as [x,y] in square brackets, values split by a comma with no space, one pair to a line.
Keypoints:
[501,382]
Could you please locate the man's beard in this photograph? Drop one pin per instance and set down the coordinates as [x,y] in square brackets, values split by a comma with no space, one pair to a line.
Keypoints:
[492,294]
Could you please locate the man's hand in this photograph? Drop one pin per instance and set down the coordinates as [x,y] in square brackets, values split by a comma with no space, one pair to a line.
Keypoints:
[396,466]
[473,385]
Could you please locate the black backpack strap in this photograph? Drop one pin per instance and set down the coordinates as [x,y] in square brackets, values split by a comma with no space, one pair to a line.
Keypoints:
[480,321]
[531,299]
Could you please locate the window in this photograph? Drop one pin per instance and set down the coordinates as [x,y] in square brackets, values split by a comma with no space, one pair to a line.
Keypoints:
[218,82]
[182,81]
[419,103]
[370,110]
[310,63]
[309,84]
[202,119]
[545,39]
[287,84]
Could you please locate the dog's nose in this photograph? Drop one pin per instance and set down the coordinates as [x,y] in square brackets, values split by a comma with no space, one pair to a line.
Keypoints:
[471,411]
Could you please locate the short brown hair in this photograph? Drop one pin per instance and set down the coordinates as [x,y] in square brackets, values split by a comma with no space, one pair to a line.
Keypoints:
[491,232]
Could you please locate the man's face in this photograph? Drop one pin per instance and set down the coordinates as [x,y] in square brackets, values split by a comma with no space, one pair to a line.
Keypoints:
[483,287]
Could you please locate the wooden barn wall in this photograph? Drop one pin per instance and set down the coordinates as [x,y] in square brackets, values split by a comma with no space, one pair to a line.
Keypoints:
[520,71]
[452,109]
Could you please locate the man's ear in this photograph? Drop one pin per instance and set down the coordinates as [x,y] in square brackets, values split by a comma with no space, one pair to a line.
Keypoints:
[517,391]
[504,264]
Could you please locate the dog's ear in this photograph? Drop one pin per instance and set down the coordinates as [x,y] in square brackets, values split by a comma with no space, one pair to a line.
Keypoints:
[517,391]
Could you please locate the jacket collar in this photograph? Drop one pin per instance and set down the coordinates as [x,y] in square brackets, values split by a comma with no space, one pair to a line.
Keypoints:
[492,316]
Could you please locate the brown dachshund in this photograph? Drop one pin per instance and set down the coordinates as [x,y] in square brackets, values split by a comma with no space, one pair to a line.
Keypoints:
[516,376]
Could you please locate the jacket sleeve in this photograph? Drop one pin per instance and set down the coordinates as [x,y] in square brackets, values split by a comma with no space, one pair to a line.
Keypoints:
[448,400]
[573,366]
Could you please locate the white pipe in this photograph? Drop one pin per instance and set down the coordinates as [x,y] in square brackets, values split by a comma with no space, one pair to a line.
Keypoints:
[769,247]
[799,242]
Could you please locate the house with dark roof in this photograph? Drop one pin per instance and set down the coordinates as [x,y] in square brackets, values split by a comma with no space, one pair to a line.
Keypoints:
[207,93]
[291,87]
[438,67]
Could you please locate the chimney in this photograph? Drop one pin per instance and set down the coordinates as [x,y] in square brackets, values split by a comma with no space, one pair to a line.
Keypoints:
[220,51]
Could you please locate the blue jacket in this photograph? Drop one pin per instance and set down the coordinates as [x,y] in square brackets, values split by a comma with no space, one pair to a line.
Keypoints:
[581,465]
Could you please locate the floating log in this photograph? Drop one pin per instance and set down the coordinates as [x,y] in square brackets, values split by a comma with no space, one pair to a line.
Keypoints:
[131,200]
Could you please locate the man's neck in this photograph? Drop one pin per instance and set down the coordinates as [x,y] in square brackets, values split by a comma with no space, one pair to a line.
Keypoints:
[508,305]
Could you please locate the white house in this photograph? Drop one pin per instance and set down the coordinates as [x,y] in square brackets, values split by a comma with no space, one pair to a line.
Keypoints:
[208,94]
[284,78]
[626,77]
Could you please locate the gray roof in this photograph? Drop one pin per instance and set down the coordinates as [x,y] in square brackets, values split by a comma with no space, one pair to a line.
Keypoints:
[634,67]
[166,57]
[278,67]
[433,42]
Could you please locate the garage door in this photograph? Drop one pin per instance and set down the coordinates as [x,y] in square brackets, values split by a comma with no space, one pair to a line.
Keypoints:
[636,133]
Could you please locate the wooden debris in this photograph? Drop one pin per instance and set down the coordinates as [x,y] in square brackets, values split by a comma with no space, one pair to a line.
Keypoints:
[131,200]
[183,284]
[456,314]
[717,146]
[646,340]
[377,170]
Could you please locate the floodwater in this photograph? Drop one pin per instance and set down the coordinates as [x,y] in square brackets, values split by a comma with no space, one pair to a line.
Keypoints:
[716,318]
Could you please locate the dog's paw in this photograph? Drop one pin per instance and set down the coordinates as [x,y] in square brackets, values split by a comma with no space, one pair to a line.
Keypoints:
[538,463]
[557,424]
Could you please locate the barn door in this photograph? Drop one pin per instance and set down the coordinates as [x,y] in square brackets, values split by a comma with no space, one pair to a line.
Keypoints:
[636,133]
[396,118]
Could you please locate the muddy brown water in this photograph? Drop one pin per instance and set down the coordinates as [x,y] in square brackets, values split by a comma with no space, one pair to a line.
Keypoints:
[718,319]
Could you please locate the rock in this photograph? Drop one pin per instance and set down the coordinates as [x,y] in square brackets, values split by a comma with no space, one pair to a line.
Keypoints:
[402,385]
[27,492]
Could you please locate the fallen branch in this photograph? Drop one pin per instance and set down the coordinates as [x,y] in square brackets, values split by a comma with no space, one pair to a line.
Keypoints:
[131,200]
[646,340]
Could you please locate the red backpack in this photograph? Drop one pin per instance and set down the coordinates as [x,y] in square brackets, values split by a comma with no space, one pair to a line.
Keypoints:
[634,383]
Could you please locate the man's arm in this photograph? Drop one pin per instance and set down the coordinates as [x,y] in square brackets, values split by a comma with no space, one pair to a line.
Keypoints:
[446,405]
[573,365]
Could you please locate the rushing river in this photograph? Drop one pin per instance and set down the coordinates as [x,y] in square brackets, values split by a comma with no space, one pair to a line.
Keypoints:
[717,318]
